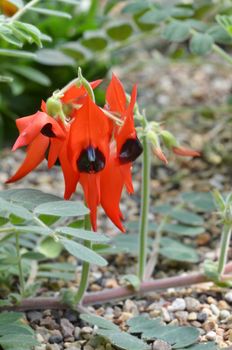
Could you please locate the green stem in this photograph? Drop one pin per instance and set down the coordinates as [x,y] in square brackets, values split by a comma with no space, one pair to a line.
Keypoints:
[150,267]
[145,198]
[85,268]
[20,268]
[225,241]
[86,85]
[222,53]
[21,12]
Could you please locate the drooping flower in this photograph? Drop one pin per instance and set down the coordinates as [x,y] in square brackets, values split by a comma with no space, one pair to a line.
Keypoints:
[89,151]
[37,132]
[124,150]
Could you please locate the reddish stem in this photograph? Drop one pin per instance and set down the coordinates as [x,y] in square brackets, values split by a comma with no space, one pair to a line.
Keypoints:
[117,293]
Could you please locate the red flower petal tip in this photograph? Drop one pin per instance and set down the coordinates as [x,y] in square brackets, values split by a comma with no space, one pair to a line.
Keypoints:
[160,155]
[181,151]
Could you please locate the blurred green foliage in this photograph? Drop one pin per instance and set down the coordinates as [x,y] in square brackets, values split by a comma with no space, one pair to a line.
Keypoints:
[92,34]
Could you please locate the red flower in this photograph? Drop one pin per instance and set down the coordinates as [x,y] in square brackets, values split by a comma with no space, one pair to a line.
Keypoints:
[117,172]
[37,132]
[89,151]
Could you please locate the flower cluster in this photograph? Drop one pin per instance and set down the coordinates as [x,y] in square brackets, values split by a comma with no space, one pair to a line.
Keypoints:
[94,146]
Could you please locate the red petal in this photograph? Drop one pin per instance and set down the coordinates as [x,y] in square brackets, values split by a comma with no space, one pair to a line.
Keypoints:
[181,151]
[116,96]
[91,187]
[160,155]
[71,177]
[35,154]
[90,127]
[128,128]
[54,150]
[43,106]
[74,92]
[31,126]
[127,178]
[111,189]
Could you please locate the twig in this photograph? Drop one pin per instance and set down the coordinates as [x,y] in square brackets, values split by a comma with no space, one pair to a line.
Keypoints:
[108,295]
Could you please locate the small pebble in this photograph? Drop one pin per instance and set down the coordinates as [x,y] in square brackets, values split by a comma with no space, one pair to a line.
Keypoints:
[211,335]
[228,297]
[67,328]
[182,316]
[77,332]
[177,305]
[215,309]
[130,306]
[192,316]
[224,314]
[34,316]
[202,316]
[166,315]
[56,337]
[192,304]
[161,345]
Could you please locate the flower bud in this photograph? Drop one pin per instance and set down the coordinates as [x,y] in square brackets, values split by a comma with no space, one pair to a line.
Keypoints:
[168,139]
[181,151]
[54,106]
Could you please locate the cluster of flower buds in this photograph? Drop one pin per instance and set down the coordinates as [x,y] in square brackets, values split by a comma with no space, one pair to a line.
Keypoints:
[157,135]
[94,146]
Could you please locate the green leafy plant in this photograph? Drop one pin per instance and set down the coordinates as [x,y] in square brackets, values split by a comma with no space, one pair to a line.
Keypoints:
[15,334]
[148,329]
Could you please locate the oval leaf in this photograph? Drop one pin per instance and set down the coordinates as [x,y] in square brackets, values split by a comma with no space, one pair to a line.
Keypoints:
[176,31]
[83,253]
[201,44]
[62,209]
[82,234]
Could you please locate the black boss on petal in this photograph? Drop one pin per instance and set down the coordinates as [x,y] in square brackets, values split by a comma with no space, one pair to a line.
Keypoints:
[47,130]
[130,150]
[91,160]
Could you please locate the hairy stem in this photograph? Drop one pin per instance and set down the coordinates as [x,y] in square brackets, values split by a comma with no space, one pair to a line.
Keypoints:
[155,251]
[145,198]
[85,269]
[225,241]
[108,295]
[20,268]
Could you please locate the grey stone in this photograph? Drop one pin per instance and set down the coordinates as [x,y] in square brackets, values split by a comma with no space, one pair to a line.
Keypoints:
[67,328]
[161,345]
[192,304]
[228,297]
[224,314]
[177,305]
[34,316]
[202,316]
[215,309]
[55,337]
[211,335]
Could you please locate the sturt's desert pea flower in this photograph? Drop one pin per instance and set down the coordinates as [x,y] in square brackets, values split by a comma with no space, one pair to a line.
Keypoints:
[94,146]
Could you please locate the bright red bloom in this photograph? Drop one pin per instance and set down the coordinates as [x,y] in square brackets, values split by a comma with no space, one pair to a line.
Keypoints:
[90,148]
[89,151]
[37,132]
[126,149]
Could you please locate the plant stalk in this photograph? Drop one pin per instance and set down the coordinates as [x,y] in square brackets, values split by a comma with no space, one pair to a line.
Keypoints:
[85,268]
[225,241]
[145,199]
[25,8]
[104,296]
[20,267]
